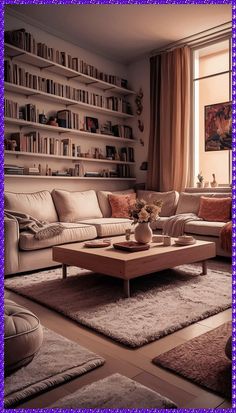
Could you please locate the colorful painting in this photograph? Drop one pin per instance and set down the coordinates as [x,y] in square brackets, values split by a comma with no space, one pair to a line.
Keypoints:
[218,127]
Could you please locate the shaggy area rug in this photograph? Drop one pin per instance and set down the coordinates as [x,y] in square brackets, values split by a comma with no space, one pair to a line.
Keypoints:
[114,392]
[59,360]
[160,303]
[203,360]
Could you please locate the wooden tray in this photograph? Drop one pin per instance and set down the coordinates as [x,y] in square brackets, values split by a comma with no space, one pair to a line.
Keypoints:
[131,246]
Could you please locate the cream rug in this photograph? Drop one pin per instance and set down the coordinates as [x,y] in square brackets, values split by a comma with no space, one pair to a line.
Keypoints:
[59,360]
[114,392]
[160,303]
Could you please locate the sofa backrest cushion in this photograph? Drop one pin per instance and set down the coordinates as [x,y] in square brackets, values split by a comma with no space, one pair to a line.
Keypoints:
[121,204]
[104,201]
[170,200]
[191,202]
[74,206]
[215,209]
[37,204]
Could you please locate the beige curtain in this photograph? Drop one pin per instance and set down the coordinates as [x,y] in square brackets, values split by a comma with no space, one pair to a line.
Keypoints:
[169,142]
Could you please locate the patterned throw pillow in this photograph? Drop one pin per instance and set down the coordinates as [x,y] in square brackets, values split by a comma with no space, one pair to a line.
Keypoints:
[121,204]
[215,209]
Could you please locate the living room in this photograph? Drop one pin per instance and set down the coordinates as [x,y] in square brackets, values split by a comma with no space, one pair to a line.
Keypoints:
[103,132]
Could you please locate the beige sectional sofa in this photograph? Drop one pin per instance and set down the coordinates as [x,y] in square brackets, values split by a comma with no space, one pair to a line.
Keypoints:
[85,216]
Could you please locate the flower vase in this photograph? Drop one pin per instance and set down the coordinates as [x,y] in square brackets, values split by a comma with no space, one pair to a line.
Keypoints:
[143,233]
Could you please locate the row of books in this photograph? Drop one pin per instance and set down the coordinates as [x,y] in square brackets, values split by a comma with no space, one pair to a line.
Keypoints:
[123,171]
[13,170]
[127,154]
[26,41]
[68,119]
[17,75]
[122,131]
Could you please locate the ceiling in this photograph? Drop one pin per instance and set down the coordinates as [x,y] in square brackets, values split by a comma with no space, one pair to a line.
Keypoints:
[124,32]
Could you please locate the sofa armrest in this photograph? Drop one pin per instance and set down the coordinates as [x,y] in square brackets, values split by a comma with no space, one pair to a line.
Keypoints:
[11,250]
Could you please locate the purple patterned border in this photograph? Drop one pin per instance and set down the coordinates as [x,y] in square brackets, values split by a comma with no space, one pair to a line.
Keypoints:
[2,3]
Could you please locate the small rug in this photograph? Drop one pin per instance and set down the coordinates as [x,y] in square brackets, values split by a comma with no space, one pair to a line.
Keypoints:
[202,360]
[114,392]
[59,360]
[160,303]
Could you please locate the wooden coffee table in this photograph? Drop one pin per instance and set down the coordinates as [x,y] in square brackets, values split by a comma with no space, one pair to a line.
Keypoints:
[129,265]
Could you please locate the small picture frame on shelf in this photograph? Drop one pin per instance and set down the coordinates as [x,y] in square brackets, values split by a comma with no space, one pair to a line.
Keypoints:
[91,124]
[110,152]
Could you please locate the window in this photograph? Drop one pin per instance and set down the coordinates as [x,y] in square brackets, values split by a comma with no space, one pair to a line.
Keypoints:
[211,86]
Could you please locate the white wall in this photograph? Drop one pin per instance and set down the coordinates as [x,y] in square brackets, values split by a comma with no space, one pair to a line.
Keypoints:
[139,75]
[111,67]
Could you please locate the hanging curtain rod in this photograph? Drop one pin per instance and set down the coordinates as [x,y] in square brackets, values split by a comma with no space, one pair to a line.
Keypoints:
[185,41]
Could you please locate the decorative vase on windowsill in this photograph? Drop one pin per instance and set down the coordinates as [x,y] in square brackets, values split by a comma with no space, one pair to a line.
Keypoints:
[143,214]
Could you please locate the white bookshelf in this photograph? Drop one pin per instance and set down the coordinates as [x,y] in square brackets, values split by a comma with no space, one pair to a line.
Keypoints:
[48,65]
[86,178]
[33,95]
[26,124]
[71,158]
[26,91]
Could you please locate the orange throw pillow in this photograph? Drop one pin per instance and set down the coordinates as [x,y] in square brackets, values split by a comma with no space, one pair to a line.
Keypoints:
[215,209]
[121,204]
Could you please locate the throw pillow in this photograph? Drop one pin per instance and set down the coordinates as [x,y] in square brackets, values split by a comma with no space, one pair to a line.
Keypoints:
[169,199]
[75,206]
[104,201]
[215,209]
[121,204]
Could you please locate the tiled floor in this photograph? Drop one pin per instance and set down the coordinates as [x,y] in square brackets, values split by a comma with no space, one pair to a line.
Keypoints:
[133,363]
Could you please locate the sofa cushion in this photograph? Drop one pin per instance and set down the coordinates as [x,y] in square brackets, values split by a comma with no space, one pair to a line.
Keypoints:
[23,336]
[37,204]
[73,206]
[121,204]
[73,232]
[170,200]
[104,201]
[107,227]
[215,209]
[191,202]
[204,228]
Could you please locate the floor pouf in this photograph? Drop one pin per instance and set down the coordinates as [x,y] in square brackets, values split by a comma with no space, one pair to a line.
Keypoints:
[228,348]
[23,336]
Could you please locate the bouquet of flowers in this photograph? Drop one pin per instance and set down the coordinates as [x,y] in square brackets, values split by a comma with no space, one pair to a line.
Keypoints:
[145,212]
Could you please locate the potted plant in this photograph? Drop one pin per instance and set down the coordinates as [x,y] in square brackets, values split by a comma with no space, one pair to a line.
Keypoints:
[200,182]
[143,213]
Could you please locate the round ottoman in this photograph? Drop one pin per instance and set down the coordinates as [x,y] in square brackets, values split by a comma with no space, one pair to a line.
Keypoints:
[23,336]
[228,348]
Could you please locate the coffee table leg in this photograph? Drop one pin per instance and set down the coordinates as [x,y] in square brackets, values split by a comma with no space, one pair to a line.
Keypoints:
[204,268]
[64,270]
[127,288]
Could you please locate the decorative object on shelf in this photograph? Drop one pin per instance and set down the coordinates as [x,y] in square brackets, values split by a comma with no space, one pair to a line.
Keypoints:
[42,118]
[91,124]
[214,184]
[218,127]
[52,121]
[140,126]
[143,213]
[200,183]
[206,184]
[144,166]
[138,101]
[9,144]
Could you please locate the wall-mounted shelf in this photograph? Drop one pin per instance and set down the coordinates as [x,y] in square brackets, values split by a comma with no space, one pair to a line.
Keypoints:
[10,87]
[26,124]
[68,177]
[44,64]
[71,158]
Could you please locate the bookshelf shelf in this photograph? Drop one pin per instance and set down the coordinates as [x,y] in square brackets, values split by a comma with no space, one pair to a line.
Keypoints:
[10,87]
[71,158]
[26,124]
[68,177]
[44,64]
